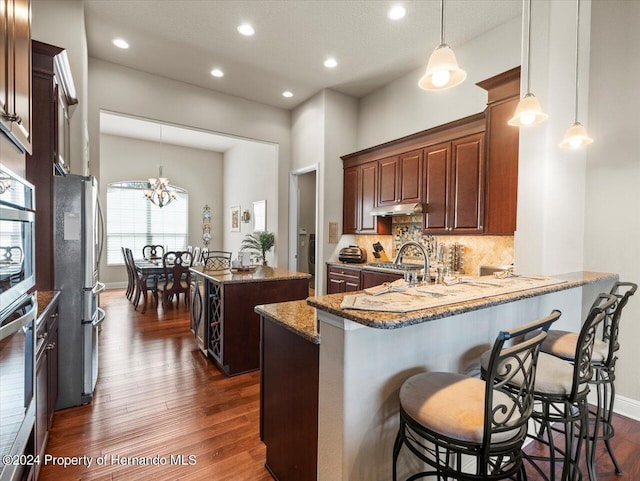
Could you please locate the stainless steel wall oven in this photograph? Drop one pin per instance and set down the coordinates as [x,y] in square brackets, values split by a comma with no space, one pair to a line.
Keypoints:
[18,312]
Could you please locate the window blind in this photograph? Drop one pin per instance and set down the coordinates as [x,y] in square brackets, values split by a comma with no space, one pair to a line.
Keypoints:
[133,221]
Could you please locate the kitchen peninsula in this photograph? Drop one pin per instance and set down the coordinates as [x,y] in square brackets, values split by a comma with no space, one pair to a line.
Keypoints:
[366,356]
[224,310]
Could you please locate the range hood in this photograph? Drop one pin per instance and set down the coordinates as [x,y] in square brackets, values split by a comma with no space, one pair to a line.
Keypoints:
[398,209]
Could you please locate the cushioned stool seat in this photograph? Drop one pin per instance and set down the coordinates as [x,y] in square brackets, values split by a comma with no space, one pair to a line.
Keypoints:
[563,344]
[451,404]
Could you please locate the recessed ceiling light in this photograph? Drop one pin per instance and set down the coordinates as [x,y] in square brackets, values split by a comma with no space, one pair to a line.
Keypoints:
[246,29]
[287,94]
[120,43]
[331,63]
[396,12]
[216,72]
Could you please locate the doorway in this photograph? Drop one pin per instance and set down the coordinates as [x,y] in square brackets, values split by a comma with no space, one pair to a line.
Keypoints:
[304,188]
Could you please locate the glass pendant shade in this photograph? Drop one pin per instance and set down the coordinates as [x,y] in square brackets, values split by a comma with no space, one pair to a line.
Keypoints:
[528,112]
[158,192]
[576,136]
[442,71]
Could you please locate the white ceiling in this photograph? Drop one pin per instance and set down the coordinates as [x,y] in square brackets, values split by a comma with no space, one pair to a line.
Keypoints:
[185,39]
[132,127]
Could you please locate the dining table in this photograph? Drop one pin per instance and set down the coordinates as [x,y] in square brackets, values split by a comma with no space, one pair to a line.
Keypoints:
[147,268]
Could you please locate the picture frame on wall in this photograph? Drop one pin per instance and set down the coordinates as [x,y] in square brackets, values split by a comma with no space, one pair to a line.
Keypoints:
[235,218]
[260,216]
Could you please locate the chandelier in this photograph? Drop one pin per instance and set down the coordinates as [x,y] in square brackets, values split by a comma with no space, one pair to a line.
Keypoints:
[158,192]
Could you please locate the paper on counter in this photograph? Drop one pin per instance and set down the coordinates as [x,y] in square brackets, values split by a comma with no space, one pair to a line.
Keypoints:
[399,285]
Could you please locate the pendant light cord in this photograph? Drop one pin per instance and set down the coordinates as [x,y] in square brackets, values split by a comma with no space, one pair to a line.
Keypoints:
[528,2]
[441,22]
[577,54]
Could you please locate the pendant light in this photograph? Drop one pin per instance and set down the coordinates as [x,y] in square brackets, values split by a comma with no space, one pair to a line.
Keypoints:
[528,111]
[442,71]
[576,135]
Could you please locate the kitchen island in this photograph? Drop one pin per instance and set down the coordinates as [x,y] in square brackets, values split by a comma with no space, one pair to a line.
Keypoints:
[231,331]
[365,356]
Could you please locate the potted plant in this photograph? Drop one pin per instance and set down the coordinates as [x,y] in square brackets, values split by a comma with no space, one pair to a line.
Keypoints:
[259,243]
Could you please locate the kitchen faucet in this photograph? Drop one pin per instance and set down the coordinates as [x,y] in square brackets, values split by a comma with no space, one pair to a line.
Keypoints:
[398,260]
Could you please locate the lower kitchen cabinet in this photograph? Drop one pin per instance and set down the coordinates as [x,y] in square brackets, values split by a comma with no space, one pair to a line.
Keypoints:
[374,278]
[342,279]
[46,369]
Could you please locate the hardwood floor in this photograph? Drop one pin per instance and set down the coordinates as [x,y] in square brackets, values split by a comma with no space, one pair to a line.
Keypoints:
[158,396]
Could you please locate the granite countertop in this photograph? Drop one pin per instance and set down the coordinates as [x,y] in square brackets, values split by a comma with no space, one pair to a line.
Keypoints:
[296,316]
[260,274]
[45,298]
[387,320]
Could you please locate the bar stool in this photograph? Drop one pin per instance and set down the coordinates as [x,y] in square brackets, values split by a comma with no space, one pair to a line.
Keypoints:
[444,416]
[562,344]
[560,395]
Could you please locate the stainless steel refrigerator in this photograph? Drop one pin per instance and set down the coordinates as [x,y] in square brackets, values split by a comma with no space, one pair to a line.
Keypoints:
[79,241]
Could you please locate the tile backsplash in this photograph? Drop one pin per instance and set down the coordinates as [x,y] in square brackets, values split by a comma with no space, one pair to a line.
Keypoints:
[477,250]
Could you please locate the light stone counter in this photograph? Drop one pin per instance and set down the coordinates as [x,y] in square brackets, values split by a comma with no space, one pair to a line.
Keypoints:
[296,316]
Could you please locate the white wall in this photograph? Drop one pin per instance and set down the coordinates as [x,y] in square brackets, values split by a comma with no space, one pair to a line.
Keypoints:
[402,108]
[612,223]
[131,92]
[251,174]
[200,172]
[61,23]
[323,129]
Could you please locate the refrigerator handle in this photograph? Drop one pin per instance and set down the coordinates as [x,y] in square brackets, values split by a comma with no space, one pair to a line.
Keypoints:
[99,318]
[98,288]
[102,240]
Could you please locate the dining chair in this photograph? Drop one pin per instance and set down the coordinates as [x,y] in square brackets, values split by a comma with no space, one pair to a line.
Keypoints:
[130,274]
[177,279]
[196,256]
[217,260]
[153,251]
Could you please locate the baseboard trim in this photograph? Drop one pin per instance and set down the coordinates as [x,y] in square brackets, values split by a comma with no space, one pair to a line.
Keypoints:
[627,407]
[116,285]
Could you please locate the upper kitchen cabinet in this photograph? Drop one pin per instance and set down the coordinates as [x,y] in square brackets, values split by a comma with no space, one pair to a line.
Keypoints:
[15,72]
[400,179]
[53,92]
[359,199]
[502,153]
[454,186]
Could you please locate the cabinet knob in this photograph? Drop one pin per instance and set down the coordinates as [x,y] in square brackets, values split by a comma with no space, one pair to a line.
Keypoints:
[43,335]
[50,346]
[53,316]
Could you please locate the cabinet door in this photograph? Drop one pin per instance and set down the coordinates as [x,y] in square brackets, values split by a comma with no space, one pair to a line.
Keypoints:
[388,182]
[41,405]
[52,367]
[368,177]
[467,188]
[350,200]
[4,64]
[334,285]
[411,176]
[21,127]
[436,188]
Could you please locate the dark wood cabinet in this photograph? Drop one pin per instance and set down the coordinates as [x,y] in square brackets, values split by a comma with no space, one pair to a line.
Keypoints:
[454,186]
[373,278]
[51,101]
[359,198]
[46,374]
[289,376]
[502,153]
[15,72]
[342,279]
[400,179]
[232,327]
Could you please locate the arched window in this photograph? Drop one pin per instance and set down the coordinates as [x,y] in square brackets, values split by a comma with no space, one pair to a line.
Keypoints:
[133,221]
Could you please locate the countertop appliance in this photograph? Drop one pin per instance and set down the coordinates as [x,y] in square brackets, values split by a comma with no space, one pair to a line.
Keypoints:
[79,241]
[18,311]
[352,255]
